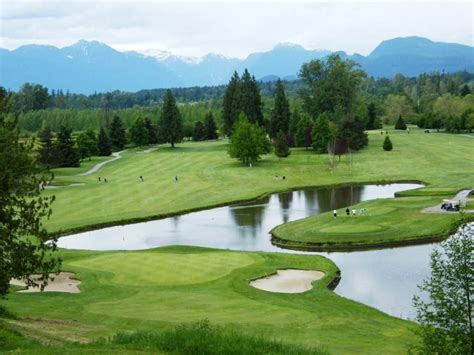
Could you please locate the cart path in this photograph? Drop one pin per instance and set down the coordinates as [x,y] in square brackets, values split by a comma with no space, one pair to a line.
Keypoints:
[149,150]
[461,196]
[116,156]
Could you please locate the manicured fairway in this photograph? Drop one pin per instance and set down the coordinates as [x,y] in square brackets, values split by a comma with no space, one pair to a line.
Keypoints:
[208,177]
[157,289]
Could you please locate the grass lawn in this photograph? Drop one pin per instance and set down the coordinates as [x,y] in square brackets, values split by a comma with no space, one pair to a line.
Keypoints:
[208,177]
[155,290]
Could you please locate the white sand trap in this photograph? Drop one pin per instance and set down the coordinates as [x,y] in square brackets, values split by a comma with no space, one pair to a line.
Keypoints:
[288,281]
[61,282]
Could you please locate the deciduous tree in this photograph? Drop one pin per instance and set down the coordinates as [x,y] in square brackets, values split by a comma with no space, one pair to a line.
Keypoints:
[321,133]
[23,247]
[248,141]
[87,144]
[446,317]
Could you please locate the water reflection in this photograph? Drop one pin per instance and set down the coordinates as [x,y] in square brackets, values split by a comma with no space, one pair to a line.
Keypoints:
[385,279]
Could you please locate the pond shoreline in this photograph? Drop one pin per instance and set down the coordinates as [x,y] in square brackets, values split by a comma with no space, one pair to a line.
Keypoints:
[339,247]
[123,222]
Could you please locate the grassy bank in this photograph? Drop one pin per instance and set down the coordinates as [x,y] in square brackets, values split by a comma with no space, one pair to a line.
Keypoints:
[162,288]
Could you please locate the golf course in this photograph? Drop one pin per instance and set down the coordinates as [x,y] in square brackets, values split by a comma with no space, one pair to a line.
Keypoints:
[157,290]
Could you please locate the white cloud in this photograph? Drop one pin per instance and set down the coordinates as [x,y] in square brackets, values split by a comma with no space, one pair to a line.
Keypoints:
[234,29]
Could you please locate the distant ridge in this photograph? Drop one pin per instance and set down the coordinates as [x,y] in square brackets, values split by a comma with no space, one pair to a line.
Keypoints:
[89,66]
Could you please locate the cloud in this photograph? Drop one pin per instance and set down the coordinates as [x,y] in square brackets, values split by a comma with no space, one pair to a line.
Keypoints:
[233,29]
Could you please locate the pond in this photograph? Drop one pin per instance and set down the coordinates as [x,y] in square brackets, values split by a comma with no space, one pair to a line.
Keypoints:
[385,279]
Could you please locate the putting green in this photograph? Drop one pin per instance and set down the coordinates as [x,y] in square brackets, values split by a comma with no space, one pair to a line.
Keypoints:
[351,228]
[148,268]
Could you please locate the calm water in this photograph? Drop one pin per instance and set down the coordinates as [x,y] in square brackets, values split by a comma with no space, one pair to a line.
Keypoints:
[384,279]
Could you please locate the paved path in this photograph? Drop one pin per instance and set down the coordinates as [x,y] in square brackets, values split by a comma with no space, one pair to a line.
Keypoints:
[116,156]
[149,150]
[461,196]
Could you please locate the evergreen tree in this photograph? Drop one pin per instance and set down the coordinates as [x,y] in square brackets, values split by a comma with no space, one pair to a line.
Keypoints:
[199,133]
[387,144]
[170,120]
[321,133]
[87,144]
[280,117]
[103,143]
[117,134]
[373,121]
[353,130]
[47,152]
[400,124]
[248,141]
[295,118]
[139,133]
[465,90]
[304,131]
[210,126]
[231,103]
[280,144]
[251,101]
[67,153]
[152,132]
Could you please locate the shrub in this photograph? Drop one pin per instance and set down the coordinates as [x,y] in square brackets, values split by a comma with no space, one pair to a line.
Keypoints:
[387,144]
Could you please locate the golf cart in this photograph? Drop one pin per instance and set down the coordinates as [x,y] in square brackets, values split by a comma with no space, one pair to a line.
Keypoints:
[452,206]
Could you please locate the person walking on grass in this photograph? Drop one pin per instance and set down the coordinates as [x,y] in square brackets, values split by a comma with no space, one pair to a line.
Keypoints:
[347,211]
[141,178]
[99,178]
[353,211]
[334,213]
[176,178]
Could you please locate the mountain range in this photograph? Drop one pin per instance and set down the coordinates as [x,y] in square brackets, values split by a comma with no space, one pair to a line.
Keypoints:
[89,66]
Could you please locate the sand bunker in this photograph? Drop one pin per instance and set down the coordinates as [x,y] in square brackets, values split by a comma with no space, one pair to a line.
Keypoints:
[61,282]
[288,281]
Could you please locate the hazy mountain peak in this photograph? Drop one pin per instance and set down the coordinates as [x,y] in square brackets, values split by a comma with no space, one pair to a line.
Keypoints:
[89,66]
[288,45]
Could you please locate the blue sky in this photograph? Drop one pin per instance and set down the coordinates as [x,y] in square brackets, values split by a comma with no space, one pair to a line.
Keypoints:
[231,28]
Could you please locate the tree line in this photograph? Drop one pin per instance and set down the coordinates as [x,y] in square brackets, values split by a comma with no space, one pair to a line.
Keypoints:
[434,100]
[66,150]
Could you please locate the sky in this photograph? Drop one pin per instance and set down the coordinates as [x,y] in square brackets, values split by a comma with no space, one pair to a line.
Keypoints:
[234,29]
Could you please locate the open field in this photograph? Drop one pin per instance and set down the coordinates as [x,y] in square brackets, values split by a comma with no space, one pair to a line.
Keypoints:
[152,294]
[208,177]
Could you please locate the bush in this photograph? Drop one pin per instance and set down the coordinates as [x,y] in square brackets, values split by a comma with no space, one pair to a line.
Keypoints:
[387,144]
[400,123]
